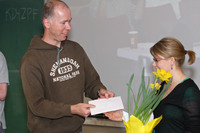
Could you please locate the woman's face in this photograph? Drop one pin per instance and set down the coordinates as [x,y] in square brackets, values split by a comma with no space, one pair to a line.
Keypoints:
[162,63]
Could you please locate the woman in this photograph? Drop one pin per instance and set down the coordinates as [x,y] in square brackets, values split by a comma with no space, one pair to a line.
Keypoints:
[180,105]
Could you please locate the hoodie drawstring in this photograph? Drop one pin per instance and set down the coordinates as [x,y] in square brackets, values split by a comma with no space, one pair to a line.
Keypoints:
[58,56]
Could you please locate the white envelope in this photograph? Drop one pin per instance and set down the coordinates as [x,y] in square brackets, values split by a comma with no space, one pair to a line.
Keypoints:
[106,105]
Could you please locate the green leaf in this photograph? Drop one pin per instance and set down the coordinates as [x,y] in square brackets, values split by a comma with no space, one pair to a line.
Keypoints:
[129,89]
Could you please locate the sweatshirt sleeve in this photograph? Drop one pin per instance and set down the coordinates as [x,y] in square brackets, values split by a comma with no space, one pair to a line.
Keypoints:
[92,79]
[33,87]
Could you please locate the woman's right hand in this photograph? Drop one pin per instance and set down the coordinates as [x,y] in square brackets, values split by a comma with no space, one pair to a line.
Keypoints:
[115,115]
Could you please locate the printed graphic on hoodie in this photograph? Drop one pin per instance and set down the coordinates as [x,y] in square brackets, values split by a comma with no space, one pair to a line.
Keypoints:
[69,68]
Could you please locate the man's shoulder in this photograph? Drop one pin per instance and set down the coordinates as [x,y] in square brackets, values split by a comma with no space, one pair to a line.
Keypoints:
[1,55]
[2,59]
[28,58]
[74,44]
[67,41]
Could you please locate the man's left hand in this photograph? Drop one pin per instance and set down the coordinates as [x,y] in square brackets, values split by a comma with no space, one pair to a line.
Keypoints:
[103,93]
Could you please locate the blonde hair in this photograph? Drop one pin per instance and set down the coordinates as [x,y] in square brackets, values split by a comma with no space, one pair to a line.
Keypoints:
[171,47]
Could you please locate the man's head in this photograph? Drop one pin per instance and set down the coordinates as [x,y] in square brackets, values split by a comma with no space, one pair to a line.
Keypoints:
[56,17]
[48,8]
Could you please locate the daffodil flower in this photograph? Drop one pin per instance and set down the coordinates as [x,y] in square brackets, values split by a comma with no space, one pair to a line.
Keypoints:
[155,86]
[163,75]
[146,101]
[134,125]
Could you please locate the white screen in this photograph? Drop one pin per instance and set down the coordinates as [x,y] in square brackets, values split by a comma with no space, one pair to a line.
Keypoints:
[103,28]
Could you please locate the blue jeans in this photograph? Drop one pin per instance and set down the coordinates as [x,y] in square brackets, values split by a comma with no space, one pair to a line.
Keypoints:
[1,129]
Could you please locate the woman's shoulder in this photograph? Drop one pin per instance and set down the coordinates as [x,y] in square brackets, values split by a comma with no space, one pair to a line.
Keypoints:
[189,84]
[191,91]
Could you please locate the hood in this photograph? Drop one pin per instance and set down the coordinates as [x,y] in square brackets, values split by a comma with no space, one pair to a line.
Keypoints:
[38,44]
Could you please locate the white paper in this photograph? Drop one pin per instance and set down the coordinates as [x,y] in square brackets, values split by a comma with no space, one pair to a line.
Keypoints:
[106,105]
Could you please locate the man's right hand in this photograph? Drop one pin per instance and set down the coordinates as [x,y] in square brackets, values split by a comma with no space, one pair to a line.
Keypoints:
[82,109]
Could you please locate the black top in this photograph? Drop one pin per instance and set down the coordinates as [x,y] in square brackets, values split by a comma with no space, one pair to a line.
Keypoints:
[180,110]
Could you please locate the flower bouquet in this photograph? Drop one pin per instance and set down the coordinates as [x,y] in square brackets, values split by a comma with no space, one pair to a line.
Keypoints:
[149,96]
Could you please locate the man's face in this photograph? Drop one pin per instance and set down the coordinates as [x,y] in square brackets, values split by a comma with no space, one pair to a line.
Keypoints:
[60,24]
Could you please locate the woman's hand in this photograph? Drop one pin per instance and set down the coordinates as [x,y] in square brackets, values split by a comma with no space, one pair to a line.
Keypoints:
[115,115]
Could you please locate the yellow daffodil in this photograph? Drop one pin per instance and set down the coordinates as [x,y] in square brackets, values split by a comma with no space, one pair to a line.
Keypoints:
[146,102]
[156,86]
[163,75]
[134,125]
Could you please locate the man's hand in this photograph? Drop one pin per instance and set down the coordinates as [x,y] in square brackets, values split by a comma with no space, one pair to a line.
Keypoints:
[103,93]
[82,109]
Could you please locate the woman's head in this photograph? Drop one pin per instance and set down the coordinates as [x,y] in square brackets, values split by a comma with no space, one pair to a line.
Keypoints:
[170,47]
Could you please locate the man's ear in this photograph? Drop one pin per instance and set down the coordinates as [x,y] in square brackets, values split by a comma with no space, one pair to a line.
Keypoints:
[46,23]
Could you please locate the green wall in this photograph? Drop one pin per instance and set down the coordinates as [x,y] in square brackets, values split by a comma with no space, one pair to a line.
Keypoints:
[20,20]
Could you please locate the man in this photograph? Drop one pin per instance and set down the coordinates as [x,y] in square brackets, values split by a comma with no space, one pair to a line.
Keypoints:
[3,90]
[55,73]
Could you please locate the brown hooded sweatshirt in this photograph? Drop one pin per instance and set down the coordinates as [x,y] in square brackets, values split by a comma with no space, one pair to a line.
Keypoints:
[53,79]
